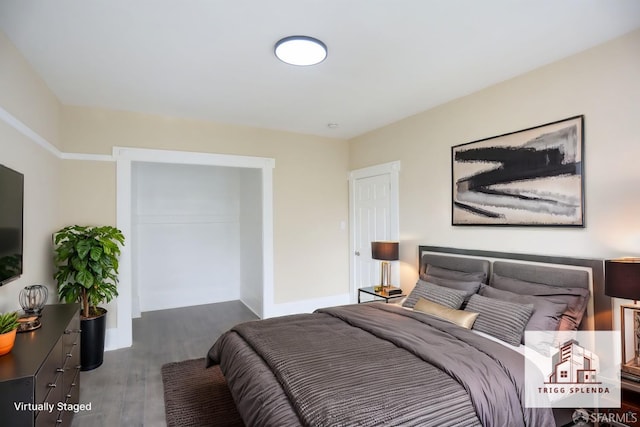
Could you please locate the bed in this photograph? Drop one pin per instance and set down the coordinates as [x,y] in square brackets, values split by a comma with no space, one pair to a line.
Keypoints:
[399,364]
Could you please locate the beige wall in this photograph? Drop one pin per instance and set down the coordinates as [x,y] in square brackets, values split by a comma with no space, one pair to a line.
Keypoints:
[25,95]
[310,186]
[601,83]
[25,99]
[40,169]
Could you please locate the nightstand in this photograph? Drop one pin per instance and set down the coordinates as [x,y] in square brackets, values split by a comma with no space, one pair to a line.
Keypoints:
[380,295]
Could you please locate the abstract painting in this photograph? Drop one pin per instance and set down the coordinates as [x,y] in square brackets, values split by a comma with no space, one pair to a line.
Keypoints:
[530,177]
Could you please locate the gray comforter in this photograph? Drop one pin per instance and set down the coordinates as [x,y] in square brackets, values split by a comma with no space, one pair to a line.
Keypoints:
[371,364]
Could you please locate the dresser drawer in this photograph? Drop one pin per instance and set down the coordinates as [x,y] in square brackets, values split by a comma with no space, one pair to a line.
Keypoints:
[49,376]
[47,419]
[71,383]
[71,336]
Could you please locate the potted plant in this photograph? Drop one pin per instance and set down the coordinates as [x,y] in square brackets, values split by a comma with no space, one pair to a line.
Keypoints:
[8,327]
[86,260]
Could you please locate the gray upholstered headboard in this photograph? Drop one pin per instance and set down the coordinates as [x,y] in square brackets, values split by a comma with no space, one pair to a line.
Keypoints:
[564,272]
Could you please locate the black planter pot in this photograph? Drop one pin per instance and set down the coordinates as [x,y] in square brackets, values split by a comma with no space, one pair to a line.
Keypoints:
[92,340]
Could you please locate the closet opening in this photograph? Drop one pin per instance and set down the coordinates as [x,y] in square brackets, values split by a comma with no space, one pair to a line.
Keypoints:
[199,229]
[196,235]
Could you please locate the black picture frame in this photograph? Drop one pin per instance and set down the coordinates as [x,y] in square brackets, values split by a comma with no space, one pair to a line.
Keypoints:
[531,177]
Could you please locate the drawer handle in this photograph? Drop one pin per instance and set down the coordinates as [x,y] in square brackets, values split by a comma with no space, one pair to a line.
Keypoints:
[51,385]
[60,370]
[69,396]
[58,421]
[78,366]
[69,355]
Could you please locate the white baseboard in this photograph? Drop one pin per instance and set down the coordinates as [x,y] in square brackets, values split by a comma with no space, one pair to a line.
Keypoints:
[305,306]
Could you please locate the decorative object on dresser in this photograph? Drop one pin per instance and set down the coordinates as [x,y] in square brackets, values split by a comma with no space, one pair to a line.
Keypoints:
[8,327]
[86,260]
[622,280]
[32,300]
[385,252]
[40,378]
[529,177]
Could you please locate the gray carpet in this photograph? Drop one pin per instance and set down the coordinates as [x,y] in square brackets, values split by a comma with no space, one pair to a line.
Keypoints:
[197,397]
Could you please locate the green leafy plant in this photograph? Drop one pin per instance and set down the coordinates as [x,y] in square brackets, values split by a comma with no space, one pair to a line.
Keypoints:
[8,322]
[86,260]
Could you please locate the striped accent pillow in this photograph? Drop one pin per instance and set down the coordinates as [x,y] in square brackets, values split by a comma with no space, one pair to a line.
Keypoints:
[502,319]
[448,297]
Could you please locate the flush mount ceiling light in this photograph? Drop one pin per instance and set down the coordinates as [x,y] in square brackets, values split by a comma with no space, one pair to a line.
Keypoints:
[300,50]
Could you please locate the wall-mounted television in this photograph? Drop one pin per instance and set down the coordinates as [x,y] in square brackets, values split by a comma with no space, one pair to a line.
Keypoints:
[11,208]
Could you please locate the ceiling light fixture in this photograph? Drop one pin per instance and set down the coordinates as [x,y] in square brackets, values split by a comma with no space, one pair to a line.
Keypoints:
[300,50]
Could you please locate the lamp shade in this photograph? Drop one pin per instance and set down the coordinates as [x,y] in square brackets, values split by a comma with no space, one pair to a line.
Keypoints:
[622,278]
[384,251]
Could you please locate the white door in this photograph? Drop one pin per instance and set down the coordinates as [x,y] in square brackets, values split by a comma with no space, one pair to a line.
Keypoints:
[374,217]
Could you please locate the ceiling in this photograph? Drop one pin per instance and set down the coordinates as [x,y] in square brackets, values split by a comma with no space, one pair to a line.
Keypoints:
[213,59]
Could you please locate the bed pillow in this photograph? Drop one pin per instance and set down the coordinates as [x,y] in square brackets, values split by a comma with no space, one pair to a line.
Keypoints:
[470,287]
[576,299]
[502,319]
[546,314]
[459,317]
[445,273]
[451,298]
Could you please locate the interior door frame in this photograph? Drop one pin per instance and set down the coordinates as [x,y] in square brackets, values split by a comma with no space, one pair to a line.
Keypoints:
[122,335]
[393,170]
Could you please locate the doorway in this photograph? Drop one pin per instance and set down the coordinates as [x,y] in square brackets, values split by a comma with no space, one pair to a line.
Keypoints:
[260,254]
[374,216]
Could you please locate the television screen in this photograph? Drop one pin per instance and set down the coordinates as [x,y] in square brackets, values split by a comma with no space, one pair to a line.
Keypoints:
[11,205]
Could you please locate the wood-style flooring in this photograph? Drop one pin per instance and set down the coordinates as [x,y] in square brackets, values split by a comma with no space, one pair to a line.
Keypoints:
[127,389]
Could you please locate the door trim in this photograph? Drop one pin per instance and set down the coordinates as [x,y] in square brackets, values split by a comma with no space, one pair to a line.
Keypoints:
[122,335]
[393,170]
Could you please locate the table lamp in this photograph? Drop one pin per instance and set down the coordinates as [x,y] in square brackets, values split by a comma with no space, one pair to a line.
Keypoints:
[622,280]
[385,252]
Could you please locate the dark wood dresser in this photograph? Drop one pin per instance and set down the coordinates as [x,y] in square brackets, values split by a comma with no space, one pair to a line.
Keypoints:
[40,377]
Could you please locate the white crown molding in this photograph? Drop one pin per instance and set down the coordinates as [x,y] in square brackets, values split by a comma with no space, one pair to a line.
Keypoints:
[85,156]
[18,125]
